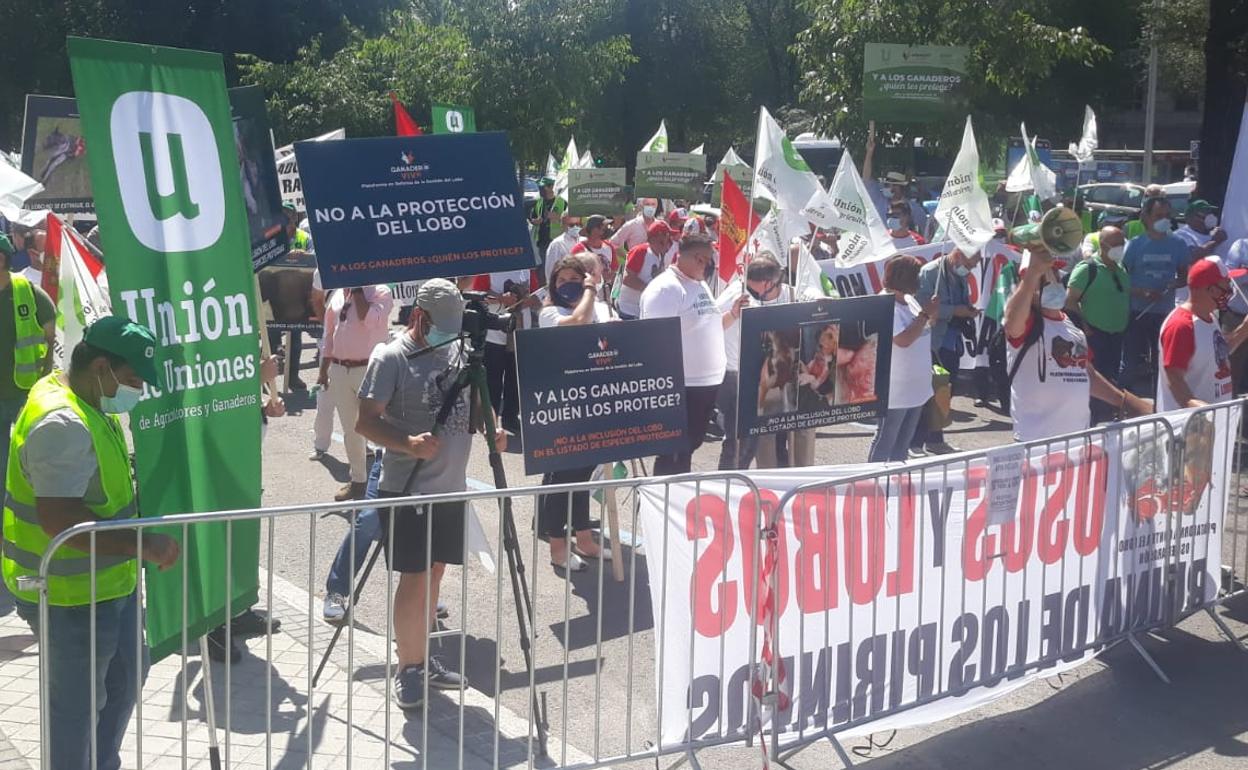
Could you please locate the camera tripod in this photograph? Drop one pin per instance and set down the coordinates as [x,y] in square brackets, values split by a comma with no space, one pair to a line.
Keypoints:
[472,376]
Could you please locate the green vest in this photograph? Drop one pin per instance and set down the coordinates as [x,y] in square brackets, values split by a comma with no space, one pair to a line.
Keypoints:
[69,583]
[30,345]
[1134,229]
[300,241]
[556,224]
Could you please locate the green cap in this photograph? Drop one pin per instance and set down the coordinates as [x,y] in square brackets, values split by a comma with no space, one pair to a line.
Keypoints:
[546,181]
[6,245]
[290,206]
[133,342]
[1200,206]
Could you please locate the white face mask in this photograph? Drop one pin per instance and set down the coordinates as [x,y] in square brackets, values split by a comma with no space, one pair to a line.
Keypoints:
[1211,221]
[648,211]
[574,231]
[1053,296]
[126,398]
[1115,253]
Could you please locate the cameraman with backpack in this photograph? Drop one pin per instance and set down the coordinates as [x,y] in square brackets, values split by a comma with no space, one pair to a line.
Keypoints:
[1050,367]
[1099,295]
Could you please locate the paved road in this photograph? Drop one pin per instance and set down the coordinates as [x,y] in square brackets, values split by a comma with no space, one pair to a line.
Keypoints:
[1112,713]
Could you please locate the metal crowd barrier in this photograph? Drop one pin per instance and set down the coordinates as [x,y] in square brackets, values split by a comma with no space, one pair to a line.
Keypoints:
[581,705]
[553,676]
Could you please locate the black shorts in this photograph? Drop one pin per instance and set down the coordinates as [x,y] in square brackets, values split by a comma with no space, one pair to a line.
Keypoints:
[415,539]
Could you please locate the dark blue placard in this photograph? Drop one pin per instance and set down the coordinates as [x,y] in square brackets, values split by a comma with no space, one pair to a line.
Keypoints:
[797,349]
[599,393]
[404,208]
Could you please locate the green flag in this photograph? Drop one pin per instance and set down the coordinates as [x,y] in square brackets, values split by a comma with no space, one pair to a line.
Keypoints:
[453,119]
[169,200]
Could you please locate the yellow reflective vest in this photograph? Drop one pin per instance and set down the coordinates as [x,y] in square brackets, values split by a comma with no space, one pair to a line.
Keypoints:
[69,575]
[30,345]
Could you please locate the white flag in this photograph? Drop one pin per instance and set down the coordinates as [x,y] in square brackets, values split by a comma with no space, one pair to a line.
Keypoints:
[780,174]
[1087,142]
[1043,180]
[570,158]
[847,206]
[1235,212]
[552,168]
[586,160]
[658,142]
[699,150]
[731,158]
[963,209]
[15,188]
[80,299]
[774,232]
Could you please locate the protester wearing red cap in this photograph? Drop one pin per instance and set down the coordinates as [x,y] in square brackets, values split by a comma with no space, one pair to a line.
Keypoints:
[676,222]
[645,261]
[1195,354]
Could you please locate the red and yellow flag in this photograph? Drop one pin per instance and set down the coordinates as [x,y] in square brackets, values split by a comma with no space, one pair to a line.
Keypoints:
[736,222]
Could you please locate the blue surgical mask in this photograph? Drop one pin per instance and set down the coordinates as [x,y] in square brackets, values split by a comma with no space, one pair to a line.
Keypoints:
[894,223]
[436,336]
[126,398]
[1161,226]
[569,294]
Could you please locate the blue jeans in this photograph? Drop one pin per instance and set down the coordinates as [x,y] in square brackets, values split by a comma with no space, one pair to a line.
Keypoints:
[120,656]
[892,437]
[9,408]
[367,529]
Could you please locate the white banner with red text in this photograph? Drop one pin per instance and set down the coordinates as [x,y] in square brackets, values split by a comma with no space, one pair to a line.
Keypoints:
[912,592]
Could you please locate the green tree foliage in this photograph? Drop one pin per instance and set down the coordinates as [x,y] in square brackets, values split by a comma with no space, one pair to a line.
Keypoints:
[532,67]
[1020,63]
[32,35]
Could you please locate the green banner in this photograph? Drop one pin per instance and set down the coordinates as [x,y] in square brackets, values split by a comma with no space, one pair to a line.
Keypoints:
[598,191]
[453,119]
[165,176]
[674,175]
[913,83]
[742,174]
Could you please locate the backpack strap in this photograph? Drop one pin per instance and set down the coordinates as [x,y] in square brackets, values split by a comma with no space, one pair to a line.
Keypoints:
[1029,341]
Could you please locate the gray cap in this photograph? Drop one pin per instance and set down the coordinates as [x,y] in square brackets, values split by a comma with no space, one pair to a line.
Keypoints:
[442,301]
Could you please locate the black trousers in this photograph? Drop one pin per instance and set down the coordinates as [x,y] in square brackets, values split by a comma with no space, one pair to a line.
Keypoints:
[296,348]
[699,402]
[552,510]
[500,374]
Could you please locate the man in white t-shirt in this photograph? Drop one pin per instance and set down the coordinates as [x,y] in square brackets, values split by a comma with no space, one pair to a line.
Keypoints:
[1200,231]
[1195,354]
[1049,363]
[644,263]
[763,286]
[562,246]
[681,292]
[594,242]
[635,231]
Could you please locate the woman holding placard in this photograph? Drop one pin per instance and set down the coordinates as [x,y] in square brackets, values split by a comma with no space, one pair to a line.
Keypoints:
[572,300]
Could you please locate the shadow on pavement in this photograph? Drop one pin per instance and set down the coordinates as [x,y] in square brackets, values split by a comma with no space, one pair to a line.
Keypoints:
[1123,718]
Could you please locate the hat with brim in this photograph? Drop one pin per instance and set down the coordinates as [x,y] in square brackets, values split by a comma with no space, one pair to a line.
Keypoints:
[658,228]
[442,301]
[134,343]
[1207,272]
[705,210]
[895,177]
[545,182]
[1199,206]
[6,246]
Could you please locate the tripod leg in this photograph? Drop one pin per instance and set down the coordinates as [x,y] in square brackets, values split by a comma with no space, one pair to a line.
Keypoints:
[355,598]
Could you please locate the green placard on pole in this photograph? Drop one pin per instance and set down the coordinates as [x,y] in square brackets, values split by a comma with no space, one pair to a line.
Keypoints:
[742,174]
[453,119]
[675,175]
[598,191]
[164,174]
[913,83]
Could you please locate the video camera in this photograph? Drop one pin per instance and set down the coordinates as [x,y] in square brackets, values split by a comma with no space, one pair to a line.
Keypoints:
[478,319]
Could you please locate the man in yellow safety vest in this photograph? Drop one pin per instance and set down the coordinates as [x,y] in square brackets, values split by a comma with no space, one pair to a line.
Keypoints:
[27,329]
[68,464]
